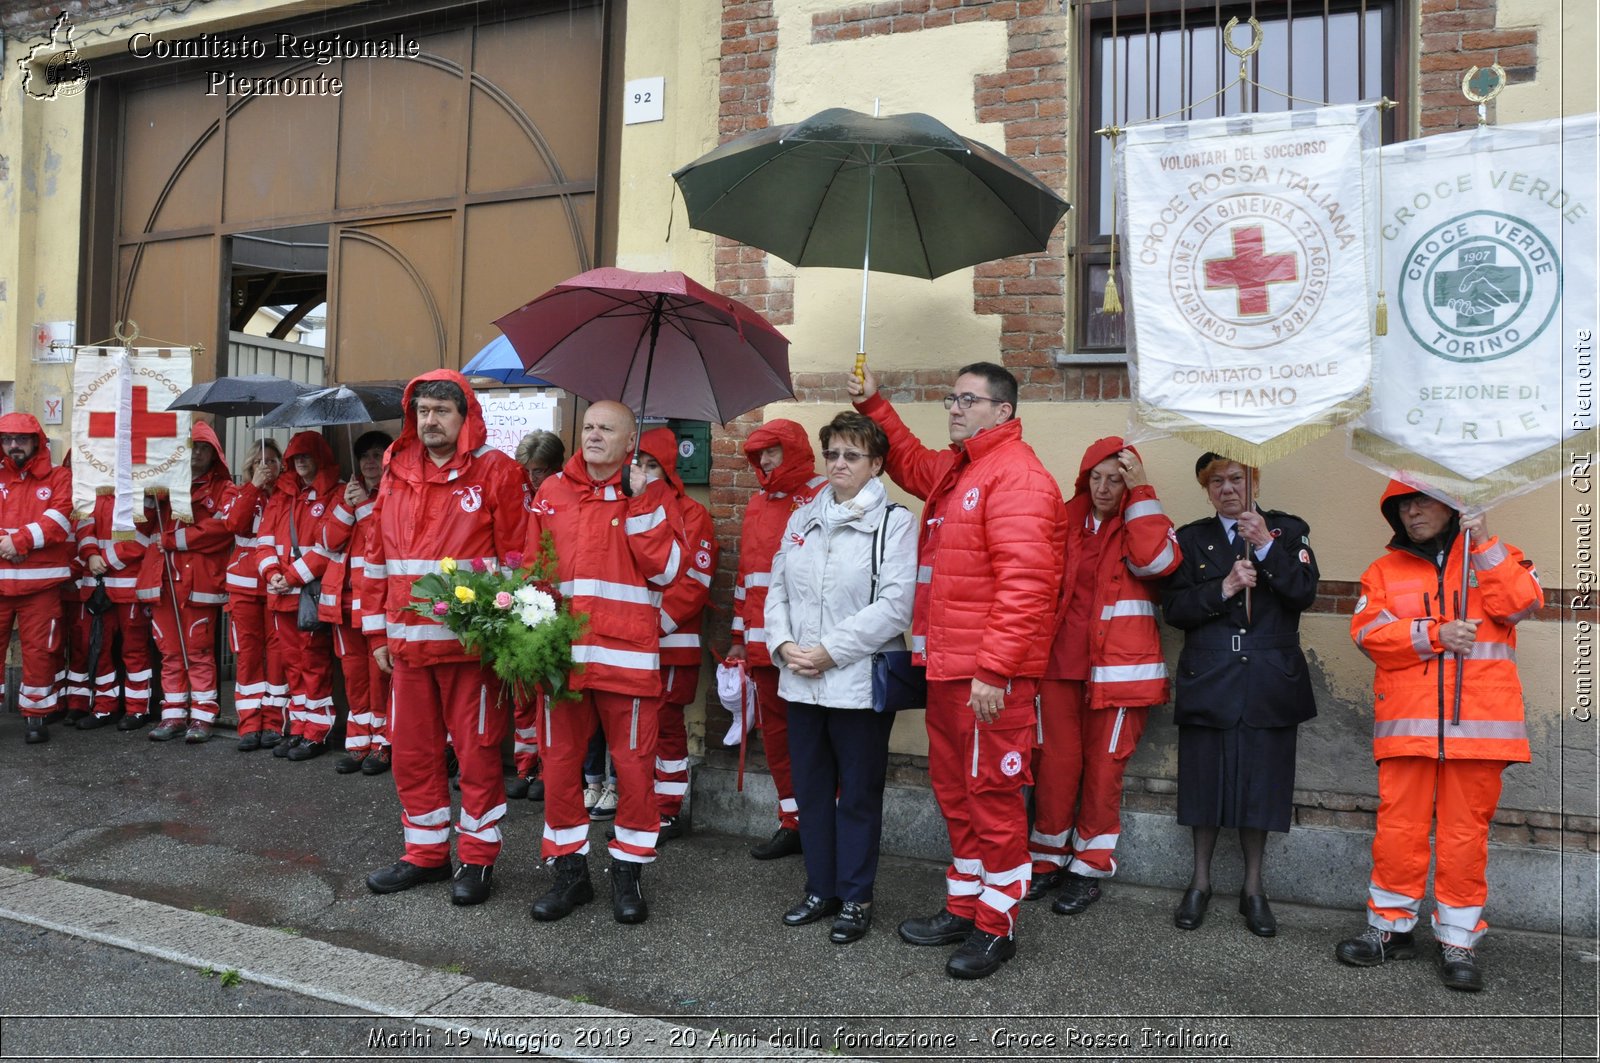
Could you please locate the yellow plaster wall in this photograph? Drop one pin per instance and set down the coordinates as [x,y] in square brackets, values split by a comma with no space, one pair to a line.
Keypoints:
[1565,82]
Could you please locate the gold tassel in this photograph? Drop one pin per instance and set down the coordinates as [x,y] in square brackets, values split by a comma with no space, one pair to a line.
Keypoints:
[1113,300]
[1382,326]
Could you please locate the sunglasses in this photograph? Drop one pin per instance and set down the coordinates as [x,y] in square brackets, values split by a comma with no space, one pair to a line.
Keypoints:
[851,456]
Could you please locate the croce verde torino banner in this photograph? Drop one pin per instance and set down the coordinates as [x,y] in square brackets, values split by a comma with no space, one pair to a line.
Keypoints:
[1246,250]
[1488,244]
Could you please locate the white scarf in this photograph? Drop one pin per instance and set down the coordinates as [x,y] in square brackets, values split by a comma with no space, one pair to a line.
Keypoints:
[835,512]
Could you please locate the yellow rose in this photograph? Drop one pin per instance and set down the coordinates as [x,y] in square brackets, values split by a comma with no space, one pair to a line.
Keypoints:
[447,565]
[465,594]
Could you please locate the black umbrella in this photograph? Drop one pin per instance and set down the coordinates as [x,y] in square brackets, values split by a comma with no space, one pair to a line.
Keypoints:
[902,193]
[341,404]
[98,605]
[240,396]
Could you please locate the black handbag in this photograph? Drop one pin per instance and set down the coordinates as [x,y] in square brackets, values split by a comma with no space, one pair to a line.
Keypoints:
[306,618]
[896,682]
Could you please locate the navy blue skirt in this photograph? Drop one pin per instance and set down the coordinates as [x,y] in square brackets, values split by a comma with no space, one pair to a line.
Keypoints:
[1239,777]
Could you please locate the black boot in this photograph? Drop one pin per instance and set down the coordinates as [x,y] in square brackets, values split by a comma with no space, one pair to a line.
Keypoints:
[37,731]
[627,903]
[572,888]
[1374,946]
[980,955]
[785,841]
[472,884]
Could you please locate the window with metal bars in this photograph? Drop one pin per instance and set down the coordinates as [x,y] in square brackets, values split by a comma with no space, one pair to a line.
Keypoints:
[1150,59]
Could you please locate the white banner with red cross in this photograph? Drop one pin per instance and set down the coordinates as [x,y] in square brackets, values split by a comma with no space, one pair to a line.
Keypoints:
[123,441]
[1488,251]
[1249,298]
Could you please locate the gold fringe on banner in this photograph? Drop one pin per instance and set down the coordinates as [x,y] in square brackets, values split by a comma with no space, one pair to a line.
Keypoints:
[1243,450]
[1548,464]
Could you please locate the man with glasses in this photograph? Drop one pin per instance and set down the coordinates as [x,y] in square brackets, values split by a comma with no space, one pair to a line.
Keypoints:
[988,584]
[35,559]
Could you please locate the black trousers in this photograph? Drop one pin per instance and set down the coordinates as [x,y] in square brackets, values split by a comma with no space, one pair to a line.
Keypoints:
[839,757]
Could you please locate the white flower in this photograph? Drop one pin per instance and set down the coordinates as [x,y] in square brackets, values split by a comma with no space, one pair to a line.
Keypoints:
[524,594]
[537,606]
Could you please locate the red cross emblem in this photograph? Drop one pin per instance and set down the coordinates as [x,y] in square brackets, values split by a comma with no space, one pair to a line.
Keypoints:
[1250,270]
[147,425]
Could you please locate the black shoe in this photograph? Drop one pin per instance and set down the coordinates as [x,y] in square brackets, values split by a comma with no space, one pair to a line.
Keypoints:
[785,841]
[851,923]
[1258,915]
[627,903]
[536,788]
[133,721]
[270,739]
[55,716]
[93,722]
[75,717]
[376,762]
[349,764]
[1192,909]
[284,746]
[671,829]
[980,955]
[250,743]
[572,888]
[940,929]
[517,787]
[306,749]
[1458,969]
[1044,883]
[167,730]
[38,731]
[470,884]
[402,875]
[1374,946]
[810,909]
[1079,892]
[452,766]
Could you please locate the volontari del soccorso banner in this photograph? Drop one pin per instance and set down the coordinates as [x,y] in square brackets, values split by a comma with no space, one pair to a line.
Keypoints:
[1249,292]
[123,440]
[1488,247]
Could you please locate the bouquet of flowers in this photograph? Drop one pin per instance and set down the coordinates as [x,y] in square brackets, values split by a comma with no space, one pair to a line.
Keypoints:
[518,624]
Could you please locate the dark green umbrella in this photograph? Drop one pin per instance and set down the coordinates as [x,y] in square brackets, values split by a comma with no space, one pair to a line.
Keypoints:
[901,193]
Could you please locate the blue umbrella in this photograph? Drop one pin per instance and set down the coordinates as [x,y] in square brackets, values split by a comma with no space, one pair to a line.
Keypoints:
[500,360]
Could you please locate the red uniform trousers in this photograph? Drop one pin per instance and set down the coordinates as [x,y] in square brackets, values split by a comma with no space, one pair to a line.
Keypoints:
[678,686]
[76,691]
[429,704]
[38,620]
[525,736]
[188,658]
[132,621]
[308,660]
[630,725]
[1079,765]
[772,714]
[261,688]
[978,772]
[1412,791]
[364,688]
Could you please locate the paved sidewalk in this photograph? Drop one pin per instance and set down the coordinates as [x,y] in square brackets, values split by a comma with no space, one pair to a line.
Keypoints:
[240,848]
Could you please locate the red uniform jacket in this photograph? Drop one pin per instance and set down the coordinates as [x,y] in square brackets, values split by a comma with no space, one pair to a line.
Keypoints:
[244,521]
[474,507]
[989,556]
[1405,596]
[791,485]
[36,511]
[345,533]
[683,603]
[198,550]
[124,557]
[311,505]
[1138,550]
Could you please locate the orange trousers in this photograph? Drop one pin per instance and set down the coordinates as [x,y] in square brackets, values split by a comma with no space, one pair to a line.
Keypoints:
[1412,792]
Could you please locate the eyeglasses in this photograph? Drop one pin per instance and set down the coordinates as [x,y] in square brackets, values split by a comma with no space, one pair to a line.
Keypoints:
[851,456]
[966,399]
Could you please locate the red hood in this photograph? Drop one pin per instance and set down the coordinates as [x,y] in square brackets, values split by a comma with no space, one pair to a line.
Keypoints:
[1099,451]
[1389,506]
[662,445]
[18,424]
[799,461]
[317,447]
[201,432]
[408,450]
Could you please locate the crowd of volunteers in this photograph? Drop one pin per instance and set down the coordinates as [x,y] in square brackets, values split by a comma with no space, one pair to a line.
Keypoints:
[1034,617]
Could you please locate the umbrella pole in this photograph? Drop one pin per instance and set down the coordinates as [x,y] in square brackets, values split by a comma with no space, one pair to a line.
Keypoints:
[644,396]
[866,256]
[170,571]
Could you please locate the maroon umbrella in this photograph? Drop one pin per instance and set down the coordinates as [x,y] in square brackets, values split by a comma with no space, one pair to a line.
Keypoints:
[659,343]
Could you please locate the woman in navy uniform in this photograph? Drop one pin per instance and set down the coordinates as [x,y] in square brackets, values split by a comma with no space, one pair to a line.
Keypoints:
[1243,686]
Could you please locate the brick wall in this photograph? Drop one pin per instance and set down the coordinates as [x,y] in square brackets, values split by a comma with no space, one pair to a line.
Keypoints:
[1457,35]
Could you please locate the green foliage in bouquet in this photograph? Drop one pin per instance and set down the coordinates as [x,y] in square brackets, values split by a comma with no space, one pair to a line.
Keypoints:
[517,624]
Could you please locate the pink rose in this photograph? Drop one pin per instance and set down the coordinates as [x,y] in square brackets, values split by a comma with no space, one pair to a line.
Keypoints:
[503,600]
[513,560]
[478,565]
[441,608]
